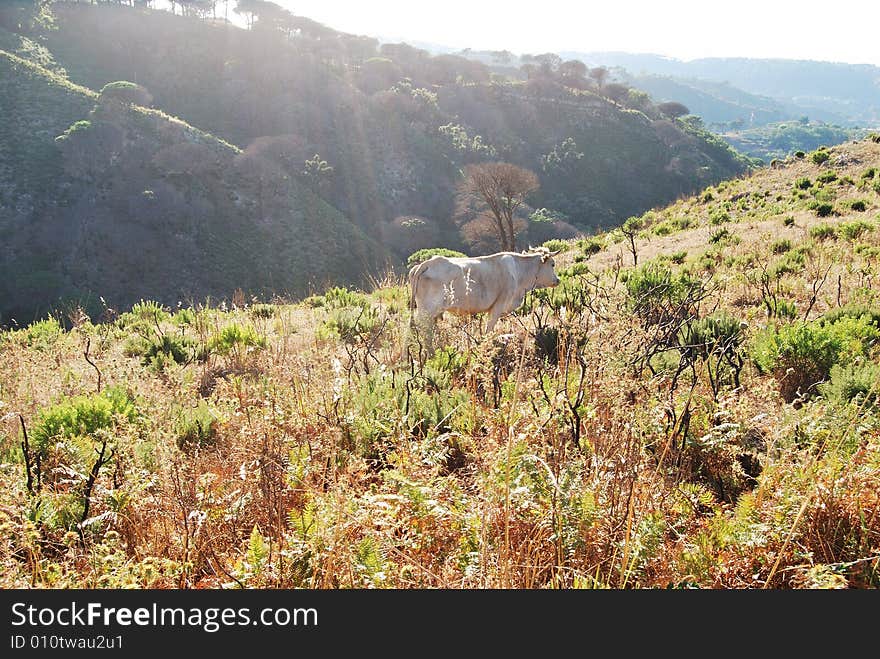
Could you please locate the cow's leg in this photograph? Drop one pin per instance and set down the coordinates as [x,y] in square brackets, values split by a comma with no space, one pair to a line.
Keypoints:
[424,325]
[494,315]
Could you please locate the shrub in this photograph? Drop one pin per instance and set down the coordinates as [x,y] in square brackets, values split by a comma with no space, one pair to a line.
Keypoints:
[868,251]
[262,310]
[351,324]
[656,294]
[853,230]
[823,209]
[790,262]
[556,245]
[780,246]
[67,429]
[718,337]
[803,183]
[235,342]
[197,428]
[681,222]
[799,154]
[678,257]
[719,236]
[180,349]
[40,334]
[127,92]
[448,359]
[858,205]
[788,221]
[823,231]
[718,216]
[783,309]
[340,297]
[590,246]
[425,254]
[866,312]
[820,156]
[869,173]
[662,229]
[144,313]
[379,404]
[853,383]
[800,356]
[185,316]
[712,330]
[827,176]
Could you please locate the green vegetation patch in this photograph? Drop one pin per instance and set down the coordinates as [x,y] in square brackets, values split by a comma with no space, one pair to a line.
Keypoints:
[801,355]
[820,156]
[823,231]
[853,230]
[425,254]
[76,421]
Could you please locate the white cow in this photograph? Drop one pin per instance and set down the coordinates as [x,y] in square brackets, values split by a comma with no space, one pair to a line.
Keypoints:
[495,284]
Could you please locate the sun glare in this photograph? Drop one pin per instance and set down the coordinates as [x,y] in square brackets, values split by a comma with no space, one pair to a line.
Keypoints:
[684,29]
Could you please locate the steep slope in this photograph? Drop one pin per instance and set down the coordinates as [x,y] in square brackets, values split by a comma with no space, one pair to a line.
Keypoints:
[824,208]
[620,161]
[104,198]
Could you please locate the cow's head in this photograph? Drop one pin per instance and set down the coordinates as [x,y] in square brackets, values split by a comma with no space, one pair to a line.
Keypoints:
[546,276]
[544,252]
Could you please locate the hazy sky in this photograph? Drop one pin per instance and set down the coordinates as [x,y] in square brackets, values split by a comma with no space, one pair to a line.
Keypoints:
[847,31]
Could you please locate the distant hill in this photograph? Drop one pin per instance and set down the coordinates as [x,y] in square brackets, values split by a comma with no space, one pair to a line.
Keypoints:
[833,92]
[782,139]
[298,158]
[718,104]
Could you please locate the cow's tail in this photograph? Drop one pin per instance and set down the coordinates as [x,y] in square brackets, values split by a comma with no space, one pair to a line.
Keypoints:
[414,276]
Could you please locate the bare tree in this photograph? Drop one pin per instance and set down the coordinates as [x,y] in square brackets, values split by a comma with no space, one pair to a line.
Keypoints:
[630,230]
[496,190]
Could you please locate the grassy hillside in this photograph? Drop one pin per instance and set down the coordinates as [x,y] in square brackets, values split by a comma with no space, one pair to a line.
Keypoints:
[706,419]
[104,198]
